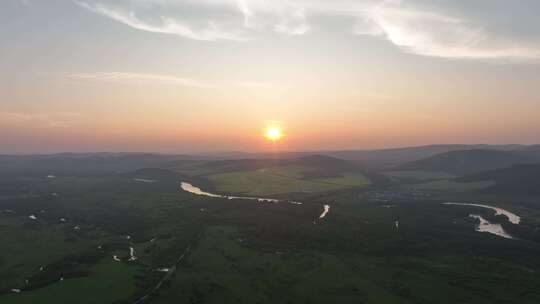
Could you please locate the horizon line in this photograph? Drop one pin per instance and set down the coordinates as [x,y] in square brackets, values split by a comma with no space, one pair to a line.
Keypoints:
[210,153]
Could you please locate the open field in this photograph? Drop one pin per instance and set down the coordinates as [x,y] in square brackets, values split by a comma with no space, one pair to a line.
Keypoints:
[418,175]
[241,274]
[269,183]
[269,152]
[450,185]
[106,282]
[23,239]
[250,252]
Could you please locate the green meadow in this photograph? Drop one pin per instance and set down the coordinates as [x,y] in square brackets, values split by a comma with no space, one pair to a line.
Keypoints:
[260,182]
[379,242]
[106,282]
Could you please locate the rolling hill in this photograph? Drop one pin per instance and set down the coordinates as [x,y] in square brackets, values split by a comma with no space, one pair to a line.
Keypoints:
[518,179]
[376,158]
[467,161]
[85,163]
[307,174]
[320,163]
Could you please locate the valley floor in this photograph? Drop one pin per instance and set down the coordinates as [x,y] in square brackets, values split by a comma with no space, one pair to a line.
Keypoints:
[116,238]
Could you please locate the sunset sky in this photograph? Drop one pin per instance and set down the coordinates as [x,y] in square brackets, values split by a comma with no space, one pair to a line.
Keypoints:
[189,76]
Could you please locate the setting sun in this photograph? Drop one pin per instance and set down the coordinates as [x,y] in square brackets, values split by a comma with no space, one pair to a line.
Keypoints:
[285,140]
[273,133]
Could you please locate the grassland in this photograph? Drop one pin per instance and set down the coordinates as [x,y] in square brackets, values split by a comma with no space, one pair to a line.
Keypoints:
[226,267]
[282,180]
[243,275]
[348,179]
[450,185]
[108,282]
[418,175]
[245,252]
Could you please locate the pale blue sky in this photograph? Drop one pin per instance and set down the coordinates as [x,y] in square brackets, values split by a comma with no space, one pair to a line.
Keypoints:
[200,75]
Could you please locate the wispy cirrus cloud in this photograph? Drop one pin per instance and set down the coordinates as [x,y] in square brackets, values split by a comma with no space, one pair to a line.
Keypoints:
[42,119]
[446,28]
[159,79]
[212,31]
[137,79]
[207,20]
[432,33]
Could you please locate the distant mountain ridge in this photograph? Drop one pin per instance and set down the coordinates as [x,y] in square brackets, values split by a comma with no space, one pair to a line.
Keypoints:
[319,161]
[518,179]
[86,163]
[377,158]
[111,162]
[467,161]
[386,158]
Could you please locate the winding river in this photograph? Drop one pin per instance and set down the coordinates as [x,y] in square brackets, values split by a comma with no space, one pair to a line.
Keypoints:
[487,226]
[483,226]
[512,217]
[325,211]
[196,190]
[493,228]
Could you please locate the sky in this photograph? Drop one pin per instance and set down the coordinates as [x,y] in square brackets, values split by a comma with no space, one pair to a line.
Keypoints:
[188,76]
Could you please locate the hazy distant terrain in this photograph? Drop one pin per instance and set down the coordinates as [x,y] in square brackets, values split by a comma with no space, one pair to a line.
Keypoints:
[269,152]
[467,161]
[388,158]
[516,180]
[114,228]
[262,177]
